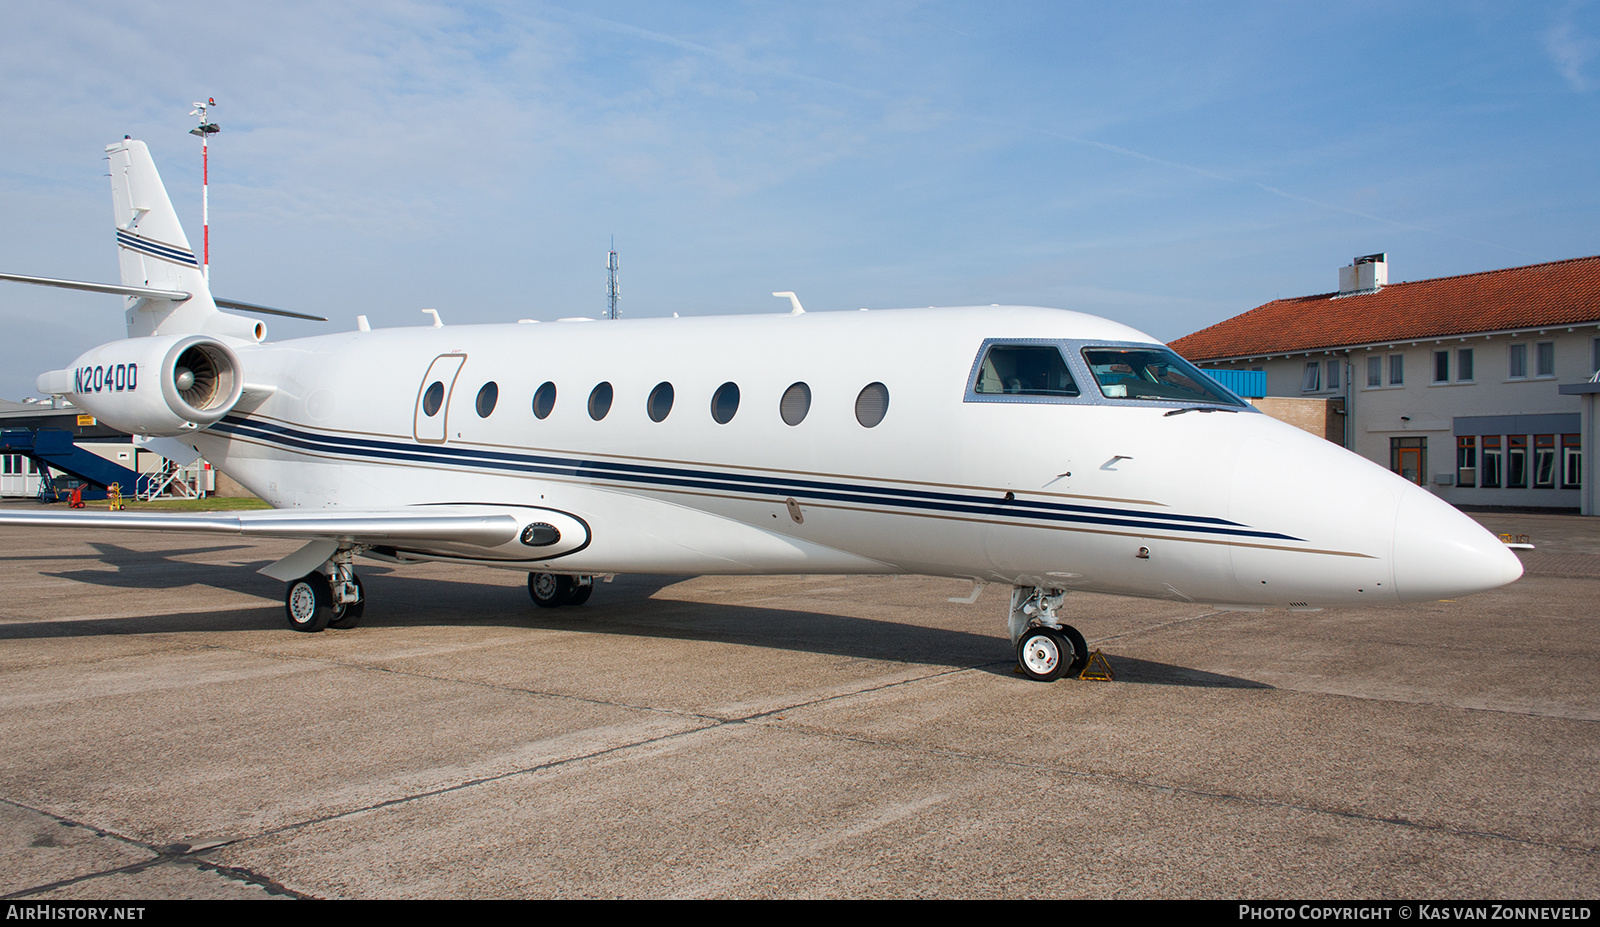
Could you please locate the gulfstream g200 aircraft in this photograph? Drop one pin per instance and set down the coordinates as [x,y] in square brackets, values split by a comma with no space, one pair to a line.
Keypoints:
[1046,450]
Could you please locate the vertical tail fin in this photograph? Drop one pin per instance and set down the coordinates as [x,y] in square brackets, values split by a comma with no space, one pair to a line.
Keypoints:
[154,252]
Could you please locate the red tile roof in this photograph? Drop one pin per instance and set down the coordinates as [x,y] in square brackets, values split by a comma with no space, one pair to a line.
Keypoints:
[1536,296]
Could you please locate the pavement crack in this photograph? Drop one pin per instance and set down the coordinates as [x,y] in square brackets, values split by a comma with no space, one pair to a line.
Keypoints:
[177,853]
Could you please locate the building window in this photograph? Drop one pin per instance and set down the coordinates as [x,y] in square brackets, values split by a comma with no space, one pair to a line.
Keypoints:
[1572,461]
[1594,357]
[1491,461]
[1409,458]
[1441,366]
[1467,460]
[1518,362]
[1312,380]
[1463,365]
[1397,369]
[1374,371]
[1516,461]
[1544,461]
[1544,354]
[1333,373]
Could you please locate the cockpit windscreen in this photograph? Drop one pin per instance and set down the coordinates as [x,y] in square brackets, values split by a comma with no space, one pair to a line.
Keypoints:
[1152,373]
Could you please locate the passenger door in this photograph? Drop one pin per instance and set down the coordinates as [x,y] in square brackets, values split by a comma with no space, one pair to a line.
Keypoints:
[433,398]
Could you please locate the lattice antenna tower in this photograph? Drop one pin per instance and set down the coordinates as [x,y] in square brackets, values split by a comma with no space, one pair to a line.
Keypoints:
[612,293]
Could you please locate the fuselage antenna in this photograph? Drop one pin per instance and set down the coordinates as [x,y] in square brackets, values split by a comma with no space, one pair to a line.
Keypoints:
[612,293]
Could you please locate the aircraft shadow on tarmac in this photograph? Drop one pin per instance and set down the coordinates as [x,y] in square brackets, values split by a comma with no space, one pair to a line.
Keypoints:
[628,607]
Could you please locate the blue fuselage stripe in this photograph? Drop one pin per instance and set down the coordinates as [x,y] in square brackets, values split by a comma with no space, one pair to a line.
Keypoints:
[683,478]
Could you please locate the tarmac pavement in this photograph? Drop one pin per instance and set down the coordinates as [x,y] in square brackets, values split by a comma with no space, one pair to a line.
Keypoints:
[166,735]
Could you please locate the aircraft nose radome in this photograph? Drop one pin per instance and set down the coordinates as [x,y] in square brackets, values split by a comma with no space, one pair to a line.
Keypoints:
[1440,553]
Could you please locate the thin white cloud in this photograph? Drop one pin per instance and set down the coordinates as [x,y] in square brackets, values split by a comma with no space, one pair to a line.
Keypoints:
[1570,50]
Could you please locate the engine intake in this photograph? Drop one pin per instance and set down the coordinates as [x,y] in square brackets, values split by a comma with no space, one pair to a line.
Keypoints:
[161,386]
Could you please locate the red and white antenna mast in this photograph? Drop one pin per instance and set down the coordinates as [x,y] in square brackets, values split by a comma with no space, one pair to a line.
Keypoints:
[205,130]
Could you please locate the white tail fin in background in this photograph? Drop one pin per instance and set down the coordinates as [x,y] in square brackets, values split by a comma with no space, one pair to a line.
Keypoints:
[154,252]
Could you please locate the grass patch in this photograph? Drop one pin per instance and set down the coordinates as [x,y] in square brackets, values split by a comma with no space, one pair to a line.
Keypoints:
[210,504]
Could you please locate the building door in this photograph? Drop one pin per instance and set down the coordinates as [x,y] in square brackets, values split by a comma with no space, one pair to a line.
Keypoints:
[1409,458]
[433,398]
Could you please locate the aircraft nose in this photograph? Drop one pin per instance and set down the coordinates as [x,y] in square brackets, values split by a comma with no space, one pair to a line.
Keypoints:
[1440,553]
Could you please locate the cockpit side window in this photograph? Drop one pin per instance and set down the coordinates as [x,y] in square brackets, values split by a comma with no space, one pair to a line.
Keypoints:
[1024,370]
[1152,373]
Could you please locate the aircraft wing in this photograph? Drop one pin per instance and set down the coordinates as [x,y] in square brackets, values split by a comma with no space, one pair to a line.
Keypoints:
[494,532]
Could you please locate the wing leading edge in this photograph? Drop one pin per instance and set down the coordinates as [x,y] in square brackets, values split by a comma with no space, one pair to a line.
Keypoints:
[489,532]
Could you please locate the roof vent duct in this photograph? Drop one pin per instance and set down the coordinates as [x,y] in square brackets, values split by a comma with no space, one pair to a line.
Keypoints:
[1367,274]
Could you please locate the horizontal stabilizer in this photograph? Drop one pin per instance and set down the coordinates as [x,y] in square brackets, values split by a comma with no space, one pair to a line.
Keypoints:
[266,310]
[145,292]
[120,289]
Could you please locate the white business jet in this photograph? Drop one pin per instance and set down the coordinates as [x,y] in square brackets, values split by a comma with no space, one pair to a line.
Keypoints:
[1046,450]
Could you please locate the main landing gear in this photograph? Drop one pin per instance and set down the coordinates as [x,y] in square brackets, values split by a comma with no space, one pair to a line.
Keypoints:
[1046,649]
[320,600]
[553,590]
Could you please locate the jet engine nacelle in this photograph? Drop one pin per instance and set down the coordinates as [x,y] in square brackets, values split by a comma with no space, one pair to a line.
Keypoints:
[159,386]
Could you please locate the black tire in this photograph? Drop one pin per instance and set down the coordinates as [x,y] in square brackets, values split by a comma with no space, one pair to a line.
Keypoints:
[349,616]
[1043,654]
[580,593]
[1080,651]
[550,590]
[308,603]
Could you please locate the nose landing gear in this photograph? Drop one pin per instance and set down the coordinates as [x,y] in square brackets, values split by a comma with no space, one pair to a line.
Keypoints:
[1046,649]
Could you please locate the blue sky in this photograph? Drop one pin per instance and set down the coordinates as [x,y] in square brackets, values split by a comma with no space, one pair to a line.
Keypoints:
[1165,164]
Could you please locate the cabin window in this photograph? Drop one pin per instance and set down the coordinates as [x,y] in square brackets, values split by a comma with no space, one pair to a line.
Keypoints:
[1024,370]
[794,405]
[724,403]
[1151,373]
[433,399]
[600,401]
[544,400]
[660,402]
[872,404]
[487,397]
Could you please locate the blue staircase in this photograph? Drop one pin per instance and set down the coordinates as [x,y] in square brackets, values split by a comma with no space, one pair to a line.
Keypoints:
[57,449]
